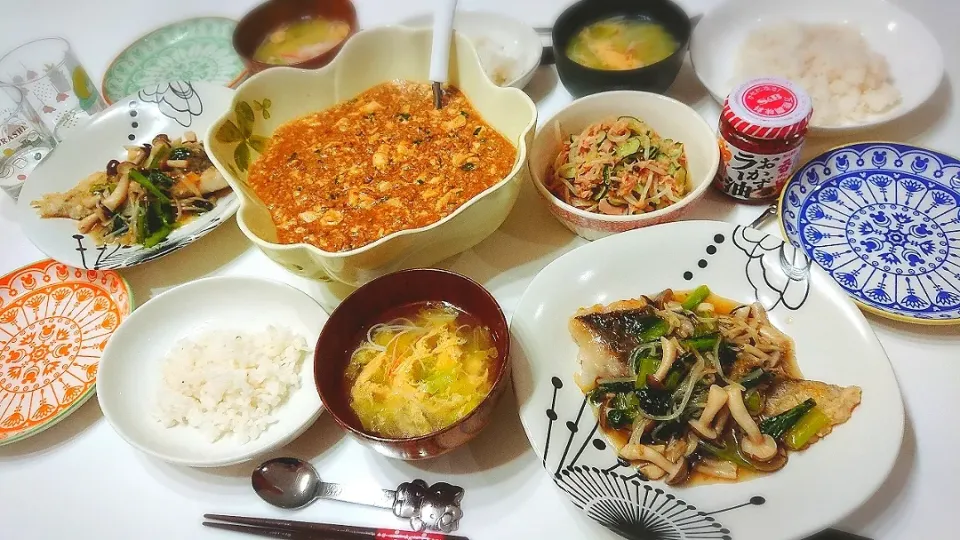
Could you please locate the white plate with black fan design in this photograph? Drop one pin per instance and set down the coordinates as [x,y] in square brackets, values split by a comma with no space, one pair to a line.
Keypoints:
[834,344]
[171,108]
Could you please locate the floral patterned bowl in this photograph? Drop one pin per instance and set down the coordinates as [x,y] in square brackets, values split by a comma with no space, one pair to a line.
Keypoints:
[883,220]
[275,96]
[668,117]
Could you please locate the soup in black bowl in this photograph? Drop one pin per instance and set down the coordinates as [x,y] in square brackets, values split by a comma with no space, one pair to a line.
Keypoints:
[604,45]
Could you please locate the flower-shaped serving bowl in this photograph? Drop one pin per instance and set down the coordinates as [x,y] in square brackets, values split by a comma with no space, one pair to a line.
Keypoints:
[275,96]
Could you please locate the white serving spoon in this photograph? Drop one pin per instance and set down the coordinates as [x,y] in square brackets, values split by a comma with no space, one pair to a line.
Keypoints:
[440,50]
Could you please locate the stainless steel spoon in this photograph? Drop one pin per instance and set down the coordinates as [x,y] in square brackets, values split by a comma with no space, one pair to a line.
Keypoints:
[294,483]
[767,213]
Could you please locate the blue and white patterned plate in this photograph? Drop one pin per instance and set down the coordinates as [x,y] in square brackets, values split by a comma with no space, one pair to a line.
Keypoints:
[883,220]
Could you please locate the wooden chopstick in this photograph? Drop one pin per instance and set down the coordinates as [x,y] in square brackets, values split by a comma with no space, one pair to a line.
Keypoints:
[327,530]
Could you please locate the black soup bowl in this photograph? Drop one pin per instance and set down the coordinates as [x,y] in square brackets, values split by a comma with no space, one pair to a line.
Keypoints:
[581,80]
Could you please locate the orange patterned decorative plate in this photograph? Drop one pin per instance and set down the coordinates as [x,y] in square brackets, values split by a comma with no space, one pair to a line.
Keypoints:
[55,321]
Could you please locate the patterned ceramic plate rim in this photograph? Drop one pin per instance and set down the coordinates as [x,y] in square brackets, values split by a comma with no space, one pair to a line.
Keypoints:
[107,73]
[744,264]
[796,177]
[57,418]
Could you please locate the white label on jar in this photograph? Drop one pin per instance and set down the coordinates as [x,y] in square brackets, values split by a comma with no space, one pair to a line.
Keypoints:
[747,175]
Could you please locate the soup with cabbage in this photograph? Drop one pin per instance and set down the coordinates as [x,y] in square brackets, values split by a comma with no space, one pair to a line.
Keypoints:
[620,43]
[425,368]
[301,40]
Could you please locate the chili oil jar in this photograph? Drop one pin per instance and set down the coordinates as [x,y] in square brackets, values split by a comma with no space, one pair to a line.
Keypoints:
[762,129]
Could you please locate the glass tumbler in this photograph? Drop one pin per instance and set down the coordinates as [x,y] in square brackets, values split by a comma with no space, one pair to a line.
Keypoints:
[24,141]
[54,82]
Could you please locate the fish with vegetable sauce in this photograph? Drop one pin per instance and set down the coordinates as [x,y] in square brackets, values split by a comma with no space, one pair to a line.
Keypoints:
[143,199]
[689,386]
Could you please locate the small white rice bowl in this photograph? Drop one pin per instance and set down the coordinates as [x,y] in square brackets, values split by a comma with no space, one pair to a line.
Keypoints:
[229,383]
[213,372]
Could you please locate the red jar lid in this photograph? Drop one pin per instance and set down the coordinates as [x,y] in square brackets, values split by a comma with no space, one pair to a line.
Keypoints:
[768,108]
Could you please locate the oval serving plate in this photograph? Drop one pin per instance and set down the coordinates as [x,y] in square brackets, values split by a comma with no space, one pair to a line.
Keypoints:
[744,265]
[132,365]
[883,219]
[54,324]
[171,108]
[199,49]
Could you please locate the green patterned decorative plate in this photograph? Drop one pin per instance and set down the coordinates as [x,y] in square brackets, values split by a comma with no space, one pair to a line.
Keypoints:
[199,49]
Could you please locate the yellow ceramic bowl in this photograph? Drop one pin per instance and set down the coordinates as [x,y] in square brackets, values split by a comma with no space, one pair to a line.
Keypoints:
[371,57]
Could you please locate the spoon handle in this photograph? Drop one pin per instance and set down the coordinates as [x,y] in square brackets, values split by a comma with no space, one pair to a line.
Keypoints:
[356,494]
[767,213]
[442,30]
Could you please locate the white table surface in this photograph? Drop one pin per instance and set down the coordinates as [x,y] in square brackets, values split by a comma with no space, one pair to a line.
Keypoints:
[79,480]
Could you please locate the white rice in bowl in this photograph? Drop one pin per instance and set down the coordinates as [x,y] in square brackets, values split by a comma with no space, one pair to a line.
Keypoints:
[847,81]
[228,382]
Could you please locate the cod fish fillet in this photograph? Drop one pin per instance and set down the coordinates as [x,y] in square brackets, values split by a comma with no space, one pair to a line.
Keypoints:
[837,402]
[606,335]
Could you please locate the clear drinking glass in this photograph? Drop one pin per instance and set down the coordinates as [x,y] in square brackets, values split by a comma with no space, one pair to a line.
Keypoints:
[24,141]
[54,82]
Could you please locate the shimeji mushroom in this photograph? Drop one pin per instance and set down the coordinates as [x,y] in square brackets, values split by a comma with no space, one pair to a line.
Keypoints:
[119,194]
[756,445]
[669,356]
[676,472]
[716,399]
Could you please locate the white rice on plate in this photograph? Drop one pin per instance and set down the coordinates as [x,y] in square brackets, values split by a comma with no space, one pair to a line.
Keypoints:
[847,81]
[497,64]
[228,382]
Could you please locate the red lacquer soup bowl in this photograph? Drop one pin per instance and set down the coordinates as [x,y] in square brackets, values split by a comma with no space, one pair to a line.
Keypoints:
[367,306]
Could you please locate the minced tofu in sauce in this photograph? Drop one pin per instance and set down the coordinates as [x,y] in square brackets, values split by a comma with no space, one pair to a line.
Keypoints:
[379,163]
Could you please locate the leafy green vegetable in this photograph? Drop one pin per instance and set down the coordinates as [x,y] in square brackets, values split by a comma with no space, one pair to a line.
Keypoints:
[160,179]
[180,153]
[727,354]
[724,453]
[777,426]
[158,158]
[755,378]
[151,188]
[647,366]
[809,425]
[626,401]
[438,380]
[666,430]
[157,236]
[624,408]
[653,401]
[141,223]
[654,331]
[615,386]
[753,401]
[696,297]
[468,166]
[618,419]
[703,343]
[673,379]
